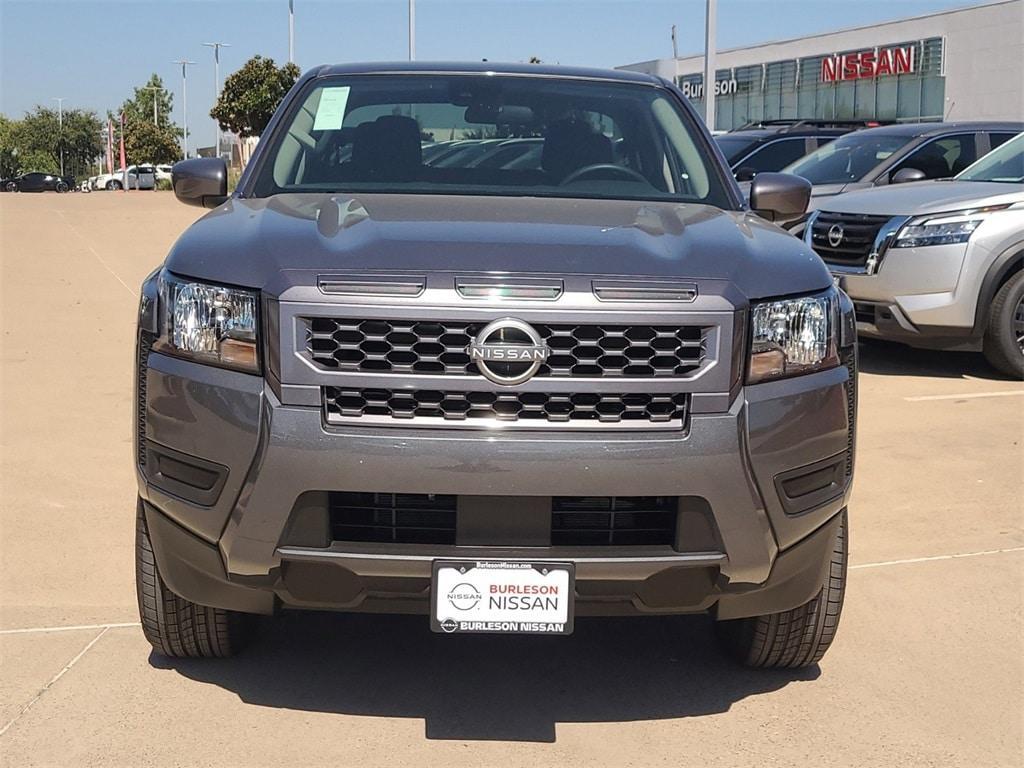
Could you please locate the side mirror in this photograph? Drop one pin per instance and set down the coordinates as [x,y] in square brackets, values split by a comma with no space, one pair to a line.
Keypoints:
[779,196]
[201,181]
[903,175]
[746,173]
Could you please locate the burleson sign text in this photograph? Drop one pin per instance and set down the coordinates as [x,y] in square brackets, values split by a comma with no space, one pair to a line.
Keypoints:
[869,64]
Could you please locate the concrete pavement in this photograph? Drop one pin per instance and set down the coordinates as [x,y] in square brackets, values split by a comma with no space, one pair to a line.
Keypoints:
[928,668]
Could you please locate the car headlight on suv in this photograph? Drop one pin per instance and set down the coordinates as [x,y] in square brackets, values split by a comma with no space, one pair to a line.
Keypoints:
[211,324]
[793,336]
[941,229]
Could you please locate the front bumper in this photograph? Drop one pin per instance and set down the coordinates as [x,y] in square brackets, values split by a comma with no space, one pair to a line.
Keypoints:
[917,296]
[237,542]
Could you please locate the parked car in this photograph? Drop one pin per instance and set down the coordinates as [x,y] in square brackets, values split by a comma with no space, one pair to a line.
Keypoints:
[37,181]
[771,145]
[936,264]
[163,172]
[895,154]
[137,177]
[499,397]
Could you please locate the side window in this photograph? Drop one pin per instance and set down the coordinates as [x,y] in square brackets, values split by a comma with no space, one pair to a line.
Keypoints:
[942,158]
[775,155]
[995,139]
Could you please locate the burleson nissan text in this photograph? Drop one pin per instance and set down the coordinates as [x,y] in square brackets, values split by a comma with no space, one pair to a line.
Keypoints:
[501,346]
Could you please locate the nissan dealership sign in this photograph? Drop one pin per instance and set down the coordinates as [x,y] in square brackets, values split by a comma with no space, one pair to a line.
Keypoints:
[898,60]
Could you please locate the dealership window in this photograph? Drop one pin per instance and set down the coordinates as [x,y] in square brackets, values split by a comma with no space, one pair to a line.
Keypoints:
[793,89]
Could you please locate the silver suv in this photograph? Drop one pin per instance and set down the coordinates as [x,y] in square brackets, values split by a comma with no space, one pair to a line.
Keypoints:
[936,264]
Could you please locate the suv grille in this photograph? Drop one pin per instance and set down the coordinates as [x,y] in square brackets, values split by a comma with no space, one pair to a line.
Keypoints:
[342,404]
[407,518]
[613,520]
[439,347]
[859,233]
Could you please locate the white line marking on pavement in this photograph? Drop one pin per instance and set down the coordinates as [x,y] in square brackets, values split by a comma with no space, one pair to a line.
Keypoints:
[937,557]
[94,253]
[968,396]
[53,680]
[27,630]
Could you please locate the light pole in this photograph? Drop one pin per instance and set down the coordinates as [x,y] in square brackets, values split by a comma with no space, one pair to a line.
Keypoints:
[156,91]
[710,28]
[216,87]
[291,31]
[60,129]
[184,105]
[412,30]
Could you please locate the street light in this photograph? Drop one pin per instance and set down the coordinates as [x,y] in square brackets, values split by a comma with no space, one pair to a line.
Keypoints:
[216,87]
[60,128]
[291,31]
[710,33]
[184,105]
[156,92]
[412,30]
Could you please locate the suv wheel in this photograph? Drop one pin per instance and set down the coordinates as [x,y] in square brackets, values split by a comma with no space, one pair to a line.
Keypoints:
[113,186]
[798,637]
[62,187]
[12,186]
[1004,336]
[173,625]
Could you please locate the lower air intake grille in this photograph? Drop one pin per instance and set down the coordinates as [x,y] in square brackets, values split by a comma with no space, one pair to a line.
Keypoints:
[342,405]
[613,520]
[401,518]
[145,344]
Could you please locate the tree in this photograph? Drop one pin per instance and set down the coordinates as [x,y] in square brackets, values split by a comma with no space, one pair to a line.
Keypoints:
[146,141]
[39,139]
[249,96]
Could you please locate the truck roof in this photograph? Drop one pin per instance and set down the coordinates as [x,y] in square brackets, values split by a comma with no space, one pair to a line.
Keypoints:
[484,67]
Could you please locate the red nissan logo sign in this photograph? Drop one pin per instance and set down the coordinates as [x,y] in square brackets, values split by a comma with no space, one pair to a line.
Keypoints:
[869,64]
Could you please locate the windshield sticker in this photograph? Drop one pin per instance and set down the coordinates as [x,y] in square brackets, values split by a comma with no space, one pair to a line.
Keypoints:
[882,155]
[330,112]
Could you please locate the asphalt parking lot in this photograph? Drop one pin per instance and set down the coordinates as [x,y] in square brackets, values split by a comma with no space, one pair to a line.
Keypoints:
[927,668]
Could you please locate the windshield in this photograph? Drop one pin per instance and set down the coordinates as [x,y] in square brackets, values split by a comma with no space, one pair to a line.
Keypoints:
[489,135]
[848,158]
[1004,164]
[734,147]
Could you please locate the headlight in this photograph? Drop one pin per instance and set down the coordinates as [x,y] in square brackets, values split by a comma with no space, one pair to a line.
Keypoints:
[793,336]
[209,323]
[942,229]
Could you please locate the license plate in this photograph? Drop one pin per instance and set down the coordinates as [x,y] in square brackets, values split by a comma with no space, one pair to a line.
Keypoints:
[502,597]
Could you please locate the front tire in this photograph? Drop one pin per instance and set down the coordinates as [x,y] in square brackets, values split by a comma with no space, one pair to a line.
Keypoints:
[1004,335]
[12,186]
[798,637]
[173,625]
[114,186]
[61,187]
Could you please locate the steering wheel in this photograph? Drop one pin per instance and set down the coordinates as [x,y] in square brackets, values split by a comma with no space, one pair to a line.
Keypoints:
[586,170]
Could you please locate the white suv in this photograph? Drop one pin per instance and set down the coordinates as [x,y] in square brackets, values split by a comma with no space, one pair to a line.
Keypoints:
[936,264]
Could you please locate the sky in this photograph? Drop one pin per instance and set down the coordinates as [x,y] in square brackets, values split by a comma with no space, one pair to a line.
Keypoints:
[93,53]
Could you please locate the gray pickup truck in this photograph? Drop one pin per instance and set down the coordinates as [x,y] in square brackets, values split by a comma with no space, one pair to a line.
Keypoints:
[498,395]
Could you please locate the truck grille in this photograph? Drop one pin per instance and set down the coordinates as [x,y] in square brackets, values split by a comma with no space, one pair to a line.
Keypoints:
[613,520]
[584,521]
[344,404]
[439,347]
[405,518]
[858,240]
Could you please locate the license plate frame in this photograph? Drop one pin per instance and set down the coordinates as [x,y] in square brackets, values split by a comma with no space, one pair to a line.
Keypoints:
[480,618]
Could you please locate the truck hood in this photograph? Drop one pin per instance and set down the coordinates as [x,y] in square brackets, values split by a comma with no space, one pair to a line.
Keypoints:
[925,197]
[248,242]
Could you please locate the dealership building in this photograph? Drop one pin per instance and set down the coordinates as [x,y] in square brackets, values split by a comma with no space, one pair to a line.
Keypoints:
[961,64]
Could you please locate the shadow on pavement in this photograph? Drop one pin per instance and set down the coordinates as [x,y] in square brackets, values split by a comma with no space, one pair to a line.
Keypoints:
[891,359]
[495,687]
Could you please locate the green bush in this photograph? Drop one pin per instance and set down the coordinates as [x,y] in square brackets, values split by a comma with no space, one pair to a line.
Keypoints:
[163,185]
